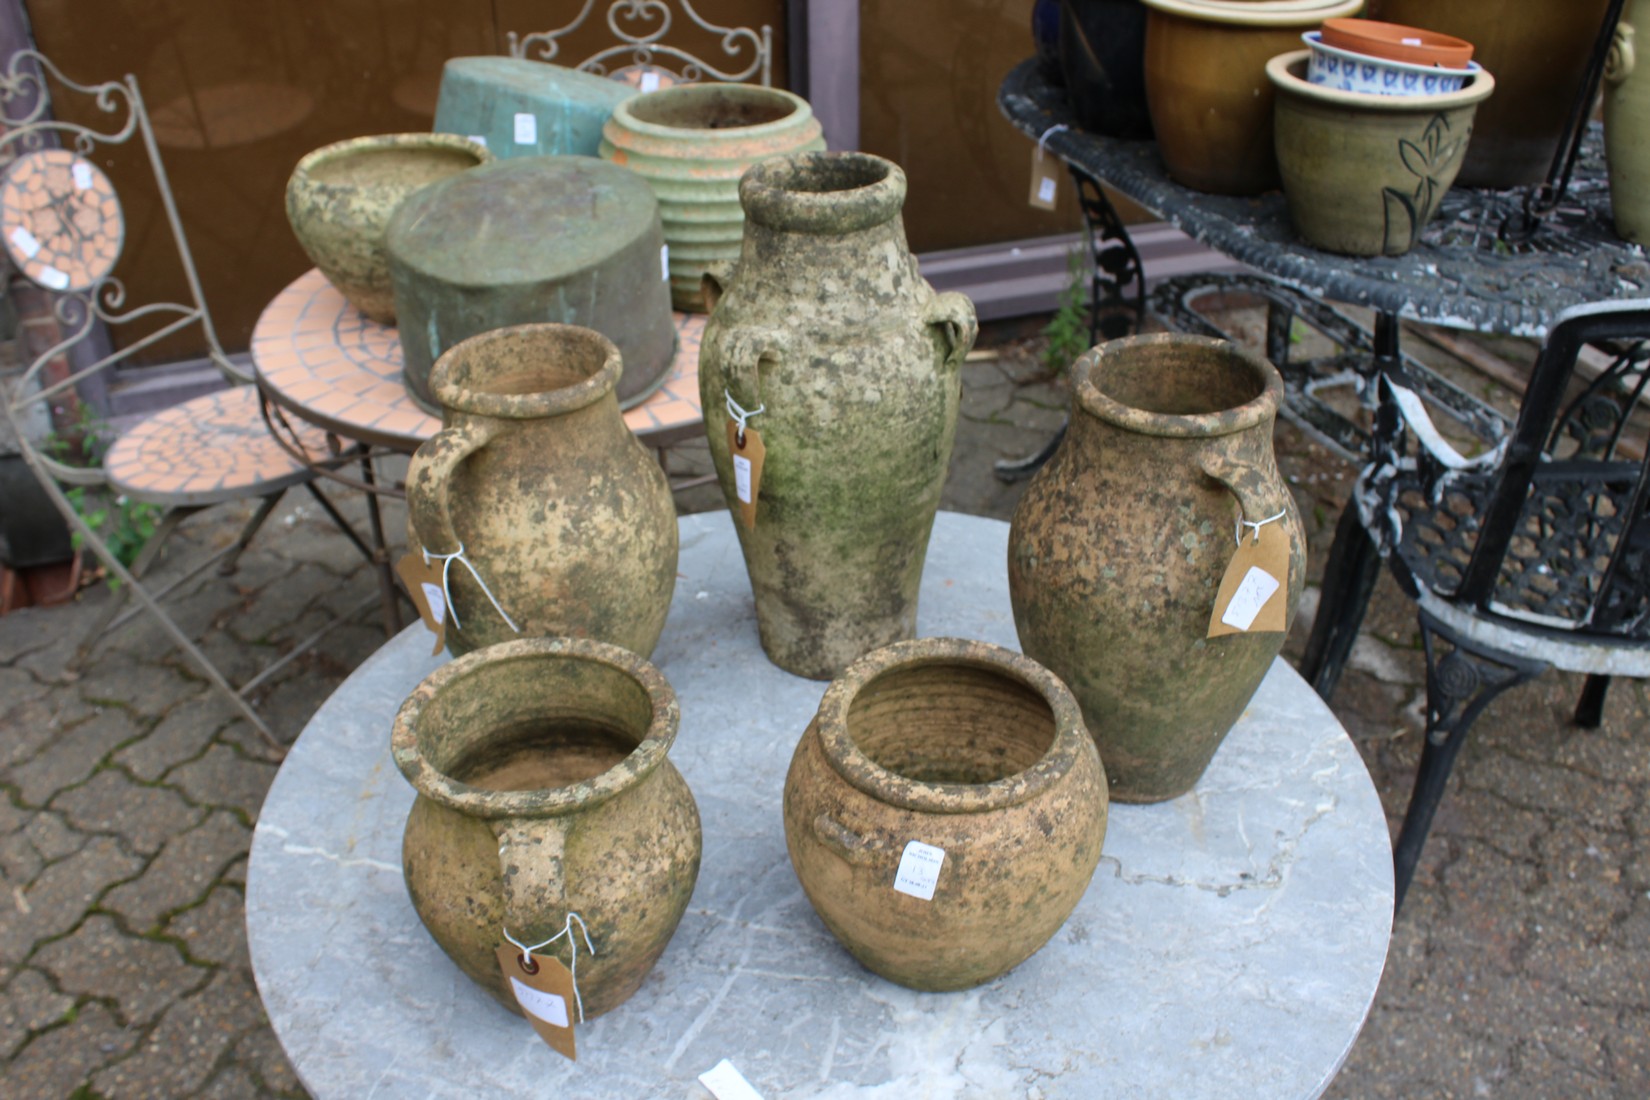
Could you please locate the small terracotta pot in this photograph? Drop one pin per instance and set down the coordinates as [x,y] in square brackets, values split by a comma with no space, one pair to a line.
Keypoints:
[958,746]
[1397,42]
[340,199]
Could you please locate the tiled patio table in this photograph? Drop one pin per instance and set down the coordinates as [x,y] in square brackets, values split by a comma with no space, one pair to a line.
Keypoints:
[1230,943]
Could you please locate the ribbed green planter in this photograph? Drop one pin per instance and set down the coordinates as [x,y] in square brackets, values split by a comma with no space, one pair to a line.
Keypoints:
[692,143]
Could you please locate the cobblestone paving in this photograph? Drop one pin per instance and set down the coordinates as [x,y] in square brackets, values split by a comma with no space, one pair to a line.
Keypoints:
[128,793]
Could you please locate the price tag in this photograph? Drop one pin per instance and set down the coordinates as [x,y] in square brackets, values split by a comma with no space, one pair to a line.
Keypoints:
[747,455]
[1045,175]
[527,128]
[725,1082]
[82,173]
[1253,596]
[919,870]
[423,581]
[664,262]
[544,990]
[650,81]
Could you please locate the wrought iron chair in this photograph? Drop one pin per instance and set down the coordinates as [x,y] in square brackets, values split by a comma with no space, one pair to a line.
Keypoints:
[1533,554]
[640,27]
[63,228]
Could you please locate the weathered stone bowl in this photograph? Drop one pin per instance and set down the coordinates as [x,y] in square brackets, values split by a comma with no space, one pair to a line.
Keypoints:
[341,196]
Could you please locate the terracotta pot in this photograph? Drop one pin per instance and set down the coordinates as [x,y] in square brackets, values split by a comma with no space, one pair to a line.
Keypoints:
[1396,42]
[543,791]
[691,144]
[1627,131]
[1537,50]
[560,510]
[1211,104]
[340,198]
[830,331]
[1365,173]
[1117,550]
[958,746]
[1102,56]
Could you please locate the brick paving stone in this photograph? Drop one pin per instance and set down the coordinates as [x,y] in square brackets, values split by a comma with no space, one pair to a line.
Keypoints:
[261,1053]
[61,894]
[110,802]
[12,816]
[32,724]
[223,777]
[230,1083]
[58,1062]
[183,1049]
[71,757]
[28,1004]
[141,976]
[183,873]
[142,686]
[182,735]
[215,930]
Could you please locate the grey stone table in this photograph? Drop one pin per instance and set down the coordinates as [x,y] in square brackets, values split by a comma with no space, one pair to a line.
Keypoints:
[1230,944]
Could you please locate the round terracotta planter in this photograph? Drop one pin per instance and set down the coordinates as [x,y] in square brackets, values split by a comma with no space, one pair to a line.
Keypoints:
[564,516]
[1537,50]
[960,747]
[1117,549]
[340,198]
[544,790]
[1397,43]
[1364,173]
[692,143]
[1627,131]
[1206,86]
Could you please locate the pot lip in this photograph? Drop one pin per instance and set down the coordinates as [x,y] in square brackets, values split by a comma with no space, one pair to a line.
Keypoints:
[303,172]
[526,406]
[767,200]
[1071,736]
[1286,72]
[799,114]
[1268,13]
[1260,409]
[479,802]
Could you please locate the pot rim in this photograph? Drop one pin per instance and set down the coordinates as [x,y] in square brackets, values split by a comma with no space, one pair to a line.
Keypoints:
[1315,43]
[526,406]
[1071,736]
[303,172]
[479,802]
[800,111]
[1287,73]
[1259,409]
[1268,13]
[766,194]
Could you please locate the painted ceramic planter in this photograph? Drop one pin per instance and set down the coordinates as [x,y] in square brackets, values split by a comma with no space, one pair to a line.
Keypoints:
[544,791]
[341,197]
[1364,174]
[979,757]
[526,108]
[1117,550]
[850,362]
[1627,131]
[1346,71]
[1206,86]
[1538,52]
[561,513]
[692,143]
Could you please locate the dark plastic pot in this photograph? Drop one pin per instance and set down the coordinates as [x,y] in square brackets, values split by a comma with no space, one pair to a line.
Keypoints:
[31,530]
[1102,52]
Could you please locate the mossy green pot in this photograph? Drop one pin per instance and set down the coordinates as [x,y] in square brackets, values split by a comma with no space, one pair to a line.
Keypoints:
[1365,173]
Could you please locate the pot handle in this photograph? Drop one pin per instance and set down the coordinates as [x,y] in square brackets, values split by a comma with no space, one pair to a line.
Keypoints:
[1619,62]
[531,857]
[842,840]
[1244,480]
[953,315]
[714,282]
[745,349]
[429,475]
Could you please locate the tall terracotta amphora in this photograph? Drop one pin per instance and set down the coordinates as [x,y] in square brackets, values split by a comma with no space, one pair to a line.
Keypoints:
[847,363]
[547,810]
[542,512]
[1117,551]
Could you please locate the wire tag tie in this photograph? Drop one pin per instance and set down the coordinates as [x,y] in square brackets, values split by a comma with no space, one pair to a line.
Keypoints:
[446,561]
[740,415]
[572,947]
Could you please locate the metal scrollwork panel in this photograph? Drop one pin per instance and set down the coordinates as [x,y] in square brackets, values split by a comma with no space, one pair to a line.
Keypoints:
[640,27]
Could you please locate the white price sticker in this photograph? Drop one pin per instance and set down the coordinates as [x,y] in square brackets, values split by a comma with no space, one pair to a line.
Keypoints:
[742,478]
[664,262]
[919,870]
[53,279]
[1252,593]
[437,602]
[82,173]
[25,242]
[478,139]
[1045,189]
[650,82]
[549,1007]
[725,1082]
[527,128]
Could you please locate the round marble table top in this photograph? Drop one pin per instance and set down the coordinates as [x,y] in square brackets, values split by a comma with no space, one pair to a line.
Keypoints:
[328,363]
[1229,945]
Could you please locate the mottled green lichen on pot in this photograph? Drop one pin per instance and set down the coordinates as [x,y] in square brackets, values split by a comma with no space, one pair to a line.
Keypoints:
[692,143]
[1117,549]
[828,328]
[961,746]
[556,505]
[340,198]
[544,790]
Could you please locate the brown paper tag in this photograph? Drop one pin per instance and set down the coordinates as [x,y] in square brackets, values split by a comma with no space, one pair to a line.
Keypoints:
[423,581]
[747,470]
[1254,593]
[545,994]
[1045,178]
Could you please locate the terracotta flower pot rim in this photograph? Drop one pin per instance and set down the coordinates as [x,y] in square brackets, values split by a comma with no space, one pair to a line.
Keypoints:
[1266,13]
[799,110]
[381,143]
[1314,41]
[432,783]
[1257,410]
[798,192]
[1287,73]
[1071,736]
[1376,38]
[458,394]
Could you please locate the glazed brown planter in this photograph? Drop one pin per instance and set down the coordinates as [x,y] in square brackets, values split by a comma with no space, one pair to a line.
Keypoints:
[1117,550]
[543,791]
[960,746]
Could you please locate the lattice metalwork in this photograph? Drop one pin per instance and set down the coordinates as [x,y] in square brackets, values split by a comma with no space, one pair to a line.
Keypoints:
[641,26]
